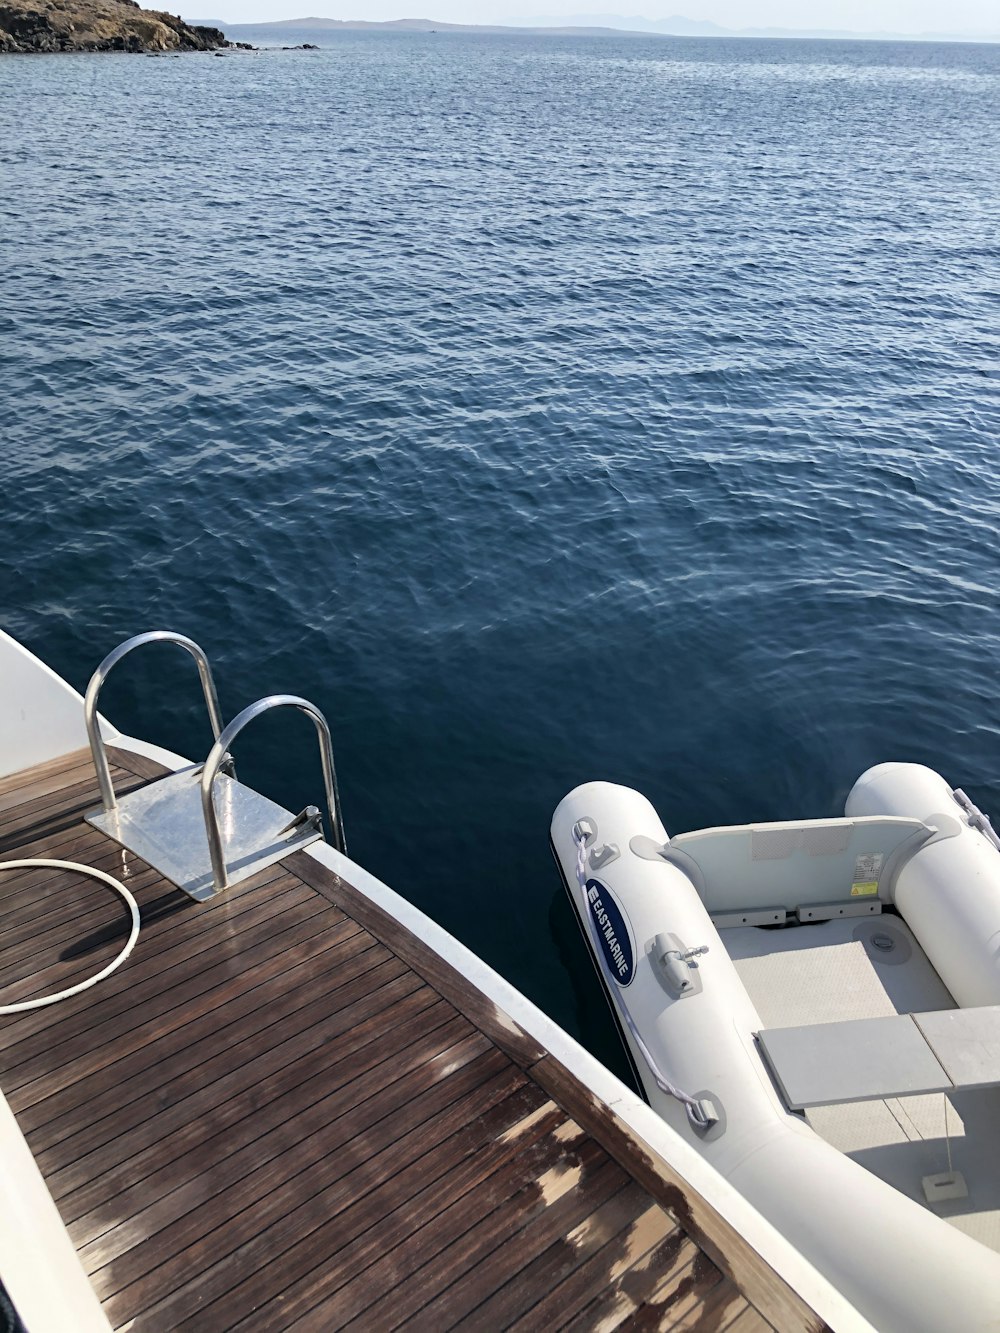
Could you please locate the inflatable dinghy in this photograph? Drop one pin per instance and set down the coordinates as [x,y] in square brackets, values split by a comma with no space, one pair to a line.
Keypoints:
[816,1006]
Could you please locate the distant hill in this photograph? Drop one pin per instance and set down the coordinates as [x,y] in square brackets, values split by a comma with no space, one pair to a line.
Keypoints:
[408,25]
[678,26]
[595,25]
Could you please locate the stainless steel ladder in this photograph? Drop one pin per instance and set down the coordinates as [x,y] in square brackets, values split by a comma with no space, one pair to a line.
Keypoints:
[199,827]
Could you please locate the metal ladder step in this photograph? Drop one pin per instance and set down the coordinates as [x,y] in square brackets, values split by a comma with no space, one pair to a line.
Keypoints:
[199,827]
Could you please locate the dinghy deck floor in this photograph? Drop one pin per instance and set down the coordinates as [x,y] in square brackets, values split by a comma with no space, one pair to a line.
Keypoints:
[286,1110]
[835,971]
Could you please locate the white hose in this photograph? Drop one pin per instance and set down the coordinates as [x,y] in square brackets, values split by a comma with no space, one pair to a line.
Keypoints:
[115,962]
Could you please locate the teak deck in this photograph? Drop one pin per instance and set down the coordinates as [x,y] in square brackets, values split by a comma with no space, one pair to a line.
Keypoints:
[285,1111]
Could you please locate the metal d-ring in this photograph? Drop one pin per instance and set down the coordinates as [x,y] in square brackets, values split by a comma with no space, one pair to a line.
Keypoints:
[97,681]
[219,753]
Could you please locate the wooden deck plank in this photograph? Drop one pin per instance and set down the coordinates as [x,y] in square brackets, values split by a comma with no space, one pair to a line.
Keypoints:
[618,1304]
[308,1257]
[94,912]
[518,1044]
[42,784]
[600,1268]
[285,1110]
[24,777]
[63,846]
[288,1019]
[501,1176]
[392,1216]
[524,1273]
[24,1061]
[57,816]
[81,842]
[37,905]
[712,1312]
[54,956]
[192,1107]
[511,1201]
[143,1239]
[28,1059]
[61,1090]
[168,923]
[143,1206]
[112,1121]
[291,915]
[55,813]
[746,1320]
[20,777]
[174,1100]
[32,895]
[58,845]
[326,1190]
[180,935]
[448,1287]
[672,1303]
[135,765]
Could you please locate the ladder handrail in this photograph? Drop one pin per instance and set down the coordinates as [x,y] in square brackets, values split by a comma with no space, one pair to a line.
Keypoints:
[220,751]
[100,676]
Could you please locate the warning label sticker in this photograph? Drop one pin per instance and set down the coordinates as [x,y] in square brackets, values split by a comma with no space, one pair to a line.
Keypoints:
[868,867]
[864,888]
[866,872]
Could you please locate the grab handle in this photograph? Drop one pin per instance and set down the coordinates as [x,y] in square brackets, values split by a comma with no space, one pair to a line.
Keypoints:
[220,751]
[97,680]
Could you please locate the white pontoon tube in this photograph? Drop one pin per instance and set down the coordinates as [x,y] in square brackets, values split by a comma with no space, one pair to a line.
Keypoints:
[666,970]
[948,894]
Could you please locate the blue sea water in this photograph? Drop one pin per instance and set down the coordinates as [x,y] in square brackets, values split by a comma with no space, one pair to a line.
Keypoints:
[543,408]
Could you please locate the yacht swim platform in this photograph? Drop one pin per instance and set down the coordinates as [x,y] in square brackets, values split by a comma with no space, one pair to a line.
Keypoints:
[287,1110]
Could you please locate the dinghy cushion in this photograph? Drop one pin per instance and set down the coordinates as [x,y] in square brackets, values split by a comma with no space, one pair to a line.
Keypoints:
[826,1064]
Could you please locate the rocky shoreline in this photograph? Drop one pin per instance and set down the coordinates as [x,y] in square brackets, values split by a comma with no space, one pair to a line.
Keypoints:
[40,26]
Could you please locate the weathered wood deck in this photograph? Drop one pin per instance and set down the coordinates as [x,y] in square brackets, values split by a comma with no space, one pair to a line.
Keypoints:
[285,1111]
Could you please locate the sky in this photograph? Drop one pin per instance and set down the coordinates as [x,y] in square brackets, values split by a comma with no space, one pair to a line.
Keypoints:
[904,16]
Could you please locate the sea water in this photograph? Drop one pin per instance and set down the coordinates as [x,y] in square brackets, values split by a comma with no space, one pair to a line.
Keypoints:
[544,409]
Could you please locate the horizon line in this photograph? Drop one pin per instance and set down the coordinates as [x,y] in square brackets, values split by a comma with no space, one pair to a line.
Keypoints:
[545,27]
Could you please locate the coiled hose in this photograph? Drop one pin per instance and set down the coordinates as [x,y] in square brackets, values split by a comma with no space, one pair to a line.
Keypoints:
[133,907]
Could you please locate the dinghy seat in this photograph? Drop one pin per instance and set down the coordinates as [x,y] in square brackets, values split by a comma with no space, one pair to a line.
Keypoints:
[866,1059]
[818,870]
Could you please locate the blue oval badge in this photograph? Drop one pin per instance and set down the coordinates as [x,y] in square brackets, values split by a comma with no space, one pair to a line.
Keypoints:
[612,932]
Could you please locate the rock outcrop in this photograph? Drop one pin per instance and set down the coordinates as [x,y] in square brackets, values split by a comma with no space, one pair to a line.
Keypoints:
[97,25]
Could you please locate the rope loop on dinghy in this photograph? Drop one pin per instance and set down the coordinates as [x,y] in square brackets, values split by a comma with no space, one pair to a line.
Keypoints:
[696,1111]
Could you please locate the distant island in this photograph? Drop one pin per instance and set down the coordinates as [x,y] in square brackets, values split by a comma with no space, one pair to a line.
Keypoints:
[279,26]
[33,26]
[595,25]
[679,26]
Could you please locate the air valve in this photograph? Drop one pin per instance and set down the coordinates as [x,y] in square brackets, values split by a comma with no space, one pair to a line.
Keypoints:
[676,963]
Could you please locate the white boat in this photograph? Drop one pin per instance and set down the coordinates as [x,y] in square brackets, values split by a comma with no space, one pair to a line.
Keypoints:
[274,1093]
[815,1007]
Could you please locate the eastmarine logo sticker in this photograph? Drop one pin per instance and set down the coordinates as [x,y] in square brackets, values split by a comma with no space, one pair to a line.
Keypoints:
[612,932]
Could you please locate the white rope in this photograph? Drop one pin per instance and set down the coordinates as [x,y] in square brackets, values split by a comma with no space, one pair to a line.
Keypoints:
[133,907]
[694,1109]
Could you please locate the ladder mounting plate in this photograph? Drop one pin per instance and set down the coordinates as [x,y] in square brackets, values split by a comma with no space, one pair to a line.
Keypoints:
[163,824]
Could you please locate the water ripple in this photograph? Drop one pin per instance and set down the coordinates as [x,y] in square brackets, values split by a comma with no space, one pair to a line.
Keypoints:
[545,409]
